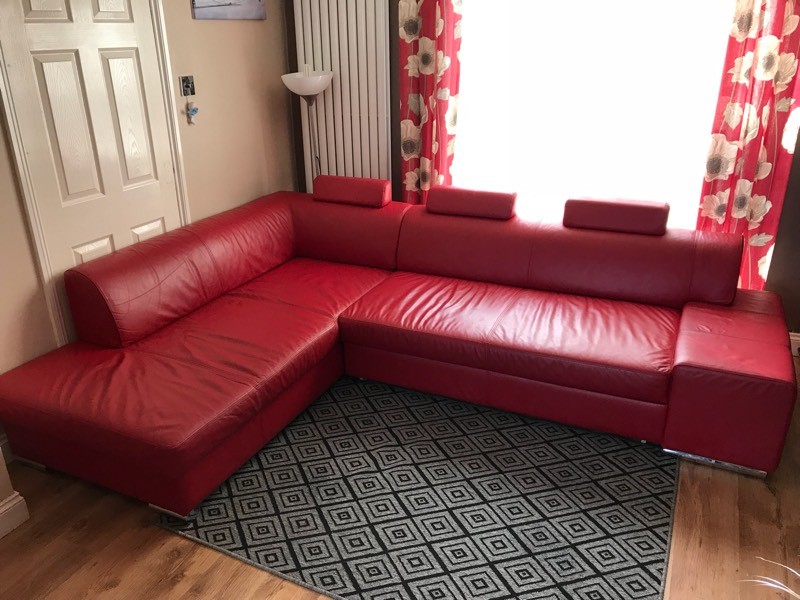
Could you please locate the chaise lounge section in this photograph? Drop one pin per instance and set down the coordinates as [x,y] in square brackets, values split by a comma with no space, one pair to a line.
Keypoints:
[199,346]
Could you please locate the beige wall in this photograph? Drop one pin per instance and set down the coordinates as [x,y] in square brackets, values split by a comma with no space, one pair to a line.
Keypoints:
[241,146]
[5,483]
[25,330]
[784,273]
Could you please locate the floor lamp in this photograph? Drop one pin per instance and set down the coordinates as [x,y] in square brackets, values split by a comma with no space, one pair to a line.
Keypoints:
[308,85]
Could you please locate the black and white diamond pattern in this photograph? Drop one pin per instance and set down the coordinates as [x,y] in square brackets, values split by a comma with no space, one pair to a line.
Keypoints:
[383,493]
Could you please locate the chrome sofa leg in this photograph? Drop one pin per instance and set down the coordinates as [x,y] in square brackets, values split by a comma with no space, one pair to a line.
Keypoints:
[169,512]
[717,463]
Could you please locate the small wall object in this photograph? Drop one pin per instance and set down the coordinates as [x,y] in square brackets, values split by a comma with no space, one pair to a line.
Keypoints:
[187,85]
[191,112]
[229,9]
[187,91]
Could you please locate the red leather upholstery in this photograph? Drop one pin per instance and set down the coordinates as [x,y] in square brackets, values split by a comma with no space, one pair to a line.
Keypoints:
[130,405]
[631,418]
[247,241]
[756,316]
[479,249]
[448,200]
[613,348]
[626,216]
[434,317]
[733,385]
[225,330]
[248,340]
[352,190]
[173,396]
[123,297]
[324,287]
[149,481]
[117,299]
[347,234]
[668,270]
[610,347]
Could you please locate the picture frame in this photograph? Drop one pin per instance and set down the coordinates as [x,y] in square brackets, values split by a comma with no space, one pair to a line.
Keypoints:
[229,9]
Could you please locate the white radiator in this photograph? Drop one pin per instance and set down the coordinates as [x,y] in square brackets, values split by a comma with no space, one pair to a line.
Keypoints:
[350,38]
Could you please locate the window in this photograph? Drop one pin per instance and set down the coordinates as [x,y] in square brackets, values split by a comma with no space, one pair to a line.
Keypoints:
[595,99]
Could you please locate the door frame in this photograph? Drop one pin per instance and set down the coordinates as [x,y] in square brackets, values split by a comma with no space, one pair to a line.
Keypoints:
[25,182]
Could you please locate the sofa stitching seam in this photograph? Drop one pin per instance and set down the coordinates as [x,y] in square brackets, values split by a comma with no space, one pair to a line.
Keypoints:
[399,234]
[504,312]
[695,258]
[528,275]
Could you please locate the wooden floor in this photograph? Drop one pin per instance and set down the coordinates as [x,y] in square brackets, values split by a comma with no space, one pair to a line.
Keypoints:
[86,542]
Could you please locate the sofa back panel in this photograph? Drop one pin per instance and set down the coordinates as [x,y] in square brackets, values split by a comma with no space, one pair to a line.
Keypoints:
[667,270]
[480,249]
[357,235]
[250,240]
[120,298]
[717,260]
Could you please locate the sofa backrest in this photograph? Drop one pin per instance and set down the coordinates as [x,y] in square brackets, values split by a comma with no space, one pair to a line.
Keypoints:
[482,249]
[466,234]
[121,298]
[125,296]
[666,270]
[669,270]
[341,231]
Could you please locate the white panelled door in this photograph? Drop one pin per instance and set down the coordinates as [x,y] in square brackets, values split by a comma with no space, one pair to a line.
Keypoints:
[85,97]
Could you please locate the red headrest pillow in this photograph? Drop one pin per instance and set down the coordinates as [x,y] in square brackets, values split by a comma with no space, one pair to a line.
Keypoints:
[626,216]
[448,200]
[352,190]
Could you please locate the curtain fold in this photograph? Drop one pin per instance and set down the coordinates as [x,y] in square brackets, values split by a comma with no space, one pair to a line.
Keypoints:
[750,156]
[430,38]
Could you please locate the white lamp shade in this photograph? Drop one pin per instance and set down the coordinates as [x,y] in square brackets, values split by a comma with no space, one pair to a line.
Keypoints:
[307,85]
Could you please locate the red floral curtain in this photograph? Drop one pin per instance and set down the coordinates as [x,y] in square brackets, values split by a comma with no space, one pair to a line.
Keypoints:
[747,166]
[430,38]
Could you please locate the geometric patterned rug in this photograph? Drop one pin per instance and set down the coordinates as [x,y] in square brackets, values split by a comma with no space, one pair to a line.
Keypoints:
[381,493]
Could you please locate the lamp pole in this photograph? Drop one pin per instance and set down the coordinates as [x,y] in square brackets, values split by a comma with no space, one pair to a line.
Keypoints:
[313,134]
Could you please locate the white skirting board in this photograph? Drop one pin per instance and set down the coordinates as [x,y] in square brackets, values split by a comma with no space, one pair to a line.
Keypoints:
[13,513]
[5,448]
[794,339]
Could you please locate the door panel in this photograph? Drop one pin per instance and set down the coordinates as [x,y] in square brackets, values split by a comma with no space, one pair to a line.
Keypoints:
[87,100]
[86,252]
[46,10]
[66,113]
[129,114]
[111,10]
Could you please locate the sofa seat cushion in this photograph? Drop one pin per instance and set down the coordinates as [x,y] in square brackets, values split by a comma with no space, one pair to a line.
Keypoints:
[324,287]
[606,346]
[265,344]
[174,396]
[162,412]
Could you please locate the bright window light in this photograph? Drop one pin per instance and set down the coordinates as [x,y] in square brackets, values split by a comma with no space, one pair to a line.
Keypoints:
[592,99]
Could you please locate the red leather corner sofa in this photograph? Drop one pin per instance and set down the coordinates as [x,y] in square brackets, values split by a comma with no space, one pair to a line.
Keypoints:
[198,346]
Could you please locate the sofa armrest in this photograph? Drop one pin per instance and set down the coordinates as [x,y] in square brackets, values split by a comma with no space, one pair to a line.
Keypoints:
[733,382]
